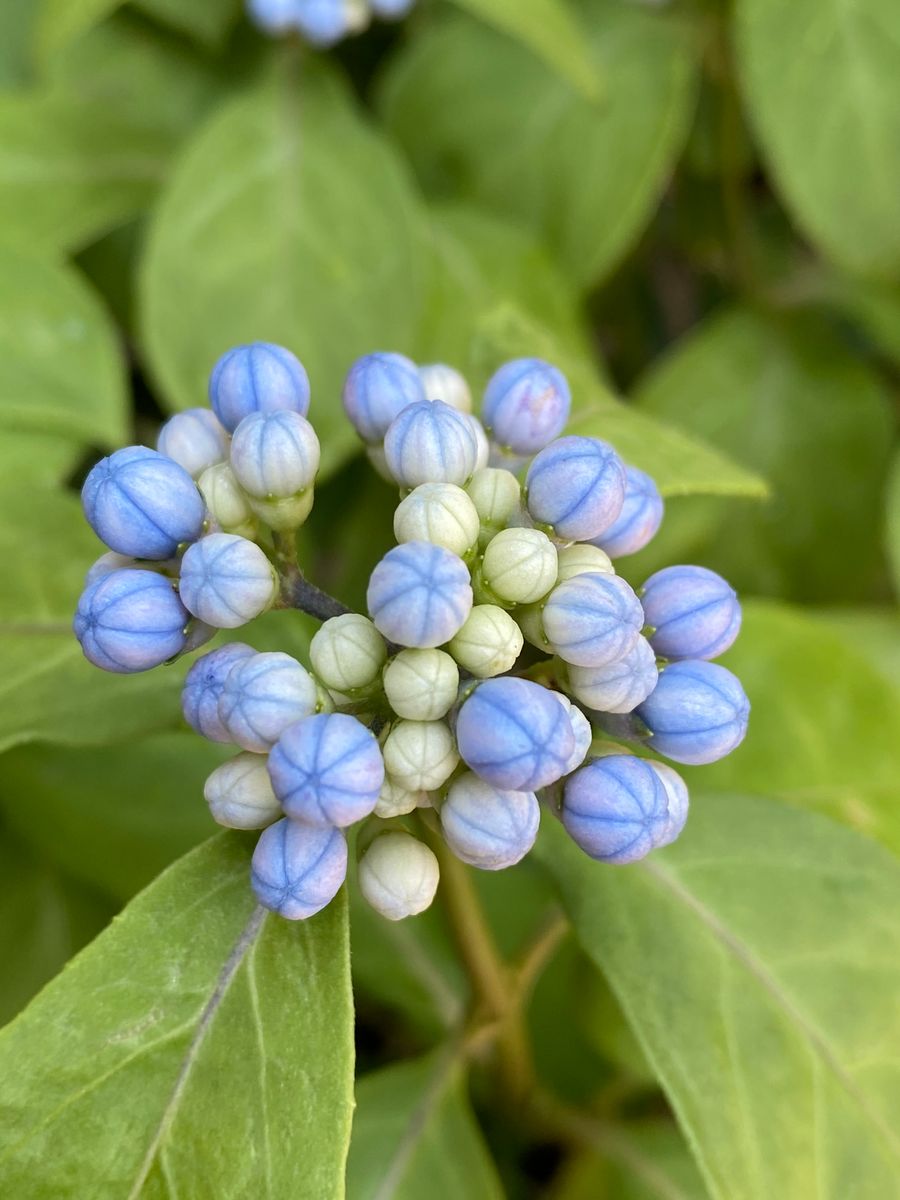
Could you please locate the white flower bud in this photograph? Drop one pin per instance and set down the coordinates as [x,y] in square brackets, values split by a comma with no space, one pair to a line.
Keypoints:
[398,875]
[489,642]
[397,801]
[375,455]
[421,685]
[482,443]
[239,793]
[519,565]
[446,383]
[582,558]
[347,653]
[226,501]
[581,731]
[440,513]
[420,755]
[496,495]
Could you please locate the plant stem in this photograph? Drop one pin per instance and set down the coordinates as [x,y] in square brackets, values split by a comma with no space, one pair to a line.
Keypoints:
[296,590]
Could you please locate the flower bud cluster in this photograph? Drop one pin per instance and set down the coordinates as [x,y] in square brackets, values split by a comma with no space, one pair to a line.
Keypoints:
[323,22]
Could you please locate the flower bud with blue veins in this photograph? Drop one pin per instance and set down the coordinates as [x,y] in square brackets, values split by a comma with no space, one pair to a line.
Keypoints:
[203,687]
[275,455]
[640,518]
[194,439]
[324,22]
[697,713]
[226,581]
[581,732]
[421,685]
[581,558]
[441,382]
[420,755]
[261,696]
[497,496]
[398,875]
[394,800]
[615,808]
[430,442]
[298,869]
[347,653]
[526,405]
[226,501]
[482,444]
[419,595]
[239,793]
[257,378]
[489,827]
[592,620]
[620,686]
[489,642]
[377,389]
[327,770]
[694,612]
[130,621]
[678,803]
[519,566]
[576,487]
[440,513]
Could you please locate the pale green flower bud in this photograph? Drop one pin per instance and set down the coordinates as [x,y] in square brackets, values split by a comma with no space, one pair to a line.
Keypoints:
[398,875]
[529,618]
[227,502]
[440,513]
[347,653]
[496,495]
[420,755]
[445,383]
[519,566]
[489,642]
[284,515]
[581,558]
[421,685]
[239,793]
[397,801]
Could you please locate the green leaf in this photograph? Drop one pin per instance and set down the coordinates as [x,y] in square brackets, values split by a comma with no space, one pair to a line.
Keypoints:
[207,21]
[549,29]
[414,1135]
[840,172]
[893,522]
[61,21]
[759,961]
[33,458]
[197,1047]
[288,220]
[455,93]
[643,1161]
[872,632]
[16,24]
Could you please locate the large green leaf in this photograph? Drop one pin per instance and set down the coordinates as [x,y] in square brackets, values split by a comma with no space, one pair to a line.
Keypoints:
[208,21]
[823,90]
[37,458]
[646,1161]
[759,962]
[61,21]
[197,1048]
[16,23]
[484,119]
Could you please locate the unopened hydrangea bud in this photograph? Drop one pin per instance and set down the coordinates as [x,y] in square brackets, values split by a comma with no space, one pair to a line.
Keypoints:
[203,686]
[275,456]
[297,869]
[130,621]
[111,561]
[615,808]
[239,793]
[378,387]
[530,619]
[347,653]
[395,800]
[420,755]
[194,439]
[419,595]
[440,513]
[142,504]
[273,16]
[421,685]
[430,442]
[327,770]
[620,686]
[391,10]
[496,494]
[526,405]
[482,443]
[514,734]
[576,486]
[226,501]
[592,620]
[677,800]
[375,455]
[639,520]
[697,713]
[398,875]
[581,558]
[489,643]
[262,695]
[489,827]
[323,22]
[694,612]
[581,732]
[226,580]
[260,377]
[519,566]
[446,383]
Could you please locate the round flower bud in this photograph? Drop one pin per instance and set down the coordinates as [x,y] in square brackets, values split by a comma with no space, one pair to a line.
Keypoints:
[327,770]
[391,10]
[697,713]
[262,695]
[421,685]
[130,621]
[678,802]
[482,443]
[395,800]
[261,377]
[419,595]
[694,612]
[203,686]
[297,869]
[615,808]
[239,793]
[496,494]
[640,518]
[398,875]
[226,501]
[514,734]
[430,442]
[226,581]
[488,827]
[347,653]
[194,439]
[141,503]
[620,686]
[581,732]
[526,405]
[420,755]
[530,619]
[273,16]
[275,455]
[519,565]
[377,388]
[576,486]
[592,620]
[581,558]
[440,513]
[441,382]
[110,561]
[323,22]
[489,643]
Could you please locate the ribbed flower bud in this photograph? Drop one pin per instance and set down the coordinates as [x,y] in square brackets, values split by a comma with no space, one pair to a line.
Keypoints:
[347,653]
[421,685]
[398,875]
[489,642]
[519,566]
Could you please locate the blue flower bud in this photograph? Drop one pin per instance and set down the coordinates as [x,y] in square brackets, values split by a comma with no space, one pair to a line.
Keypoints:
[226,581]
[391,10]
[576,486]
[591,620]
[204,685]
[488,827]
[261,377]
[581,732]
[693,611]
[110,561]
[615,808]
[327,770]
[275,455]
[677,800]
[194,439]
[697,713]
[239,793]
[526,405]
[639,520]
[419,595]
[430,442]
[323,22]
[297,869]
[377,388]
[445,383]
[514,734]
[141,503]
[262,696]
[273,16]
[131,621]
[620,686]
